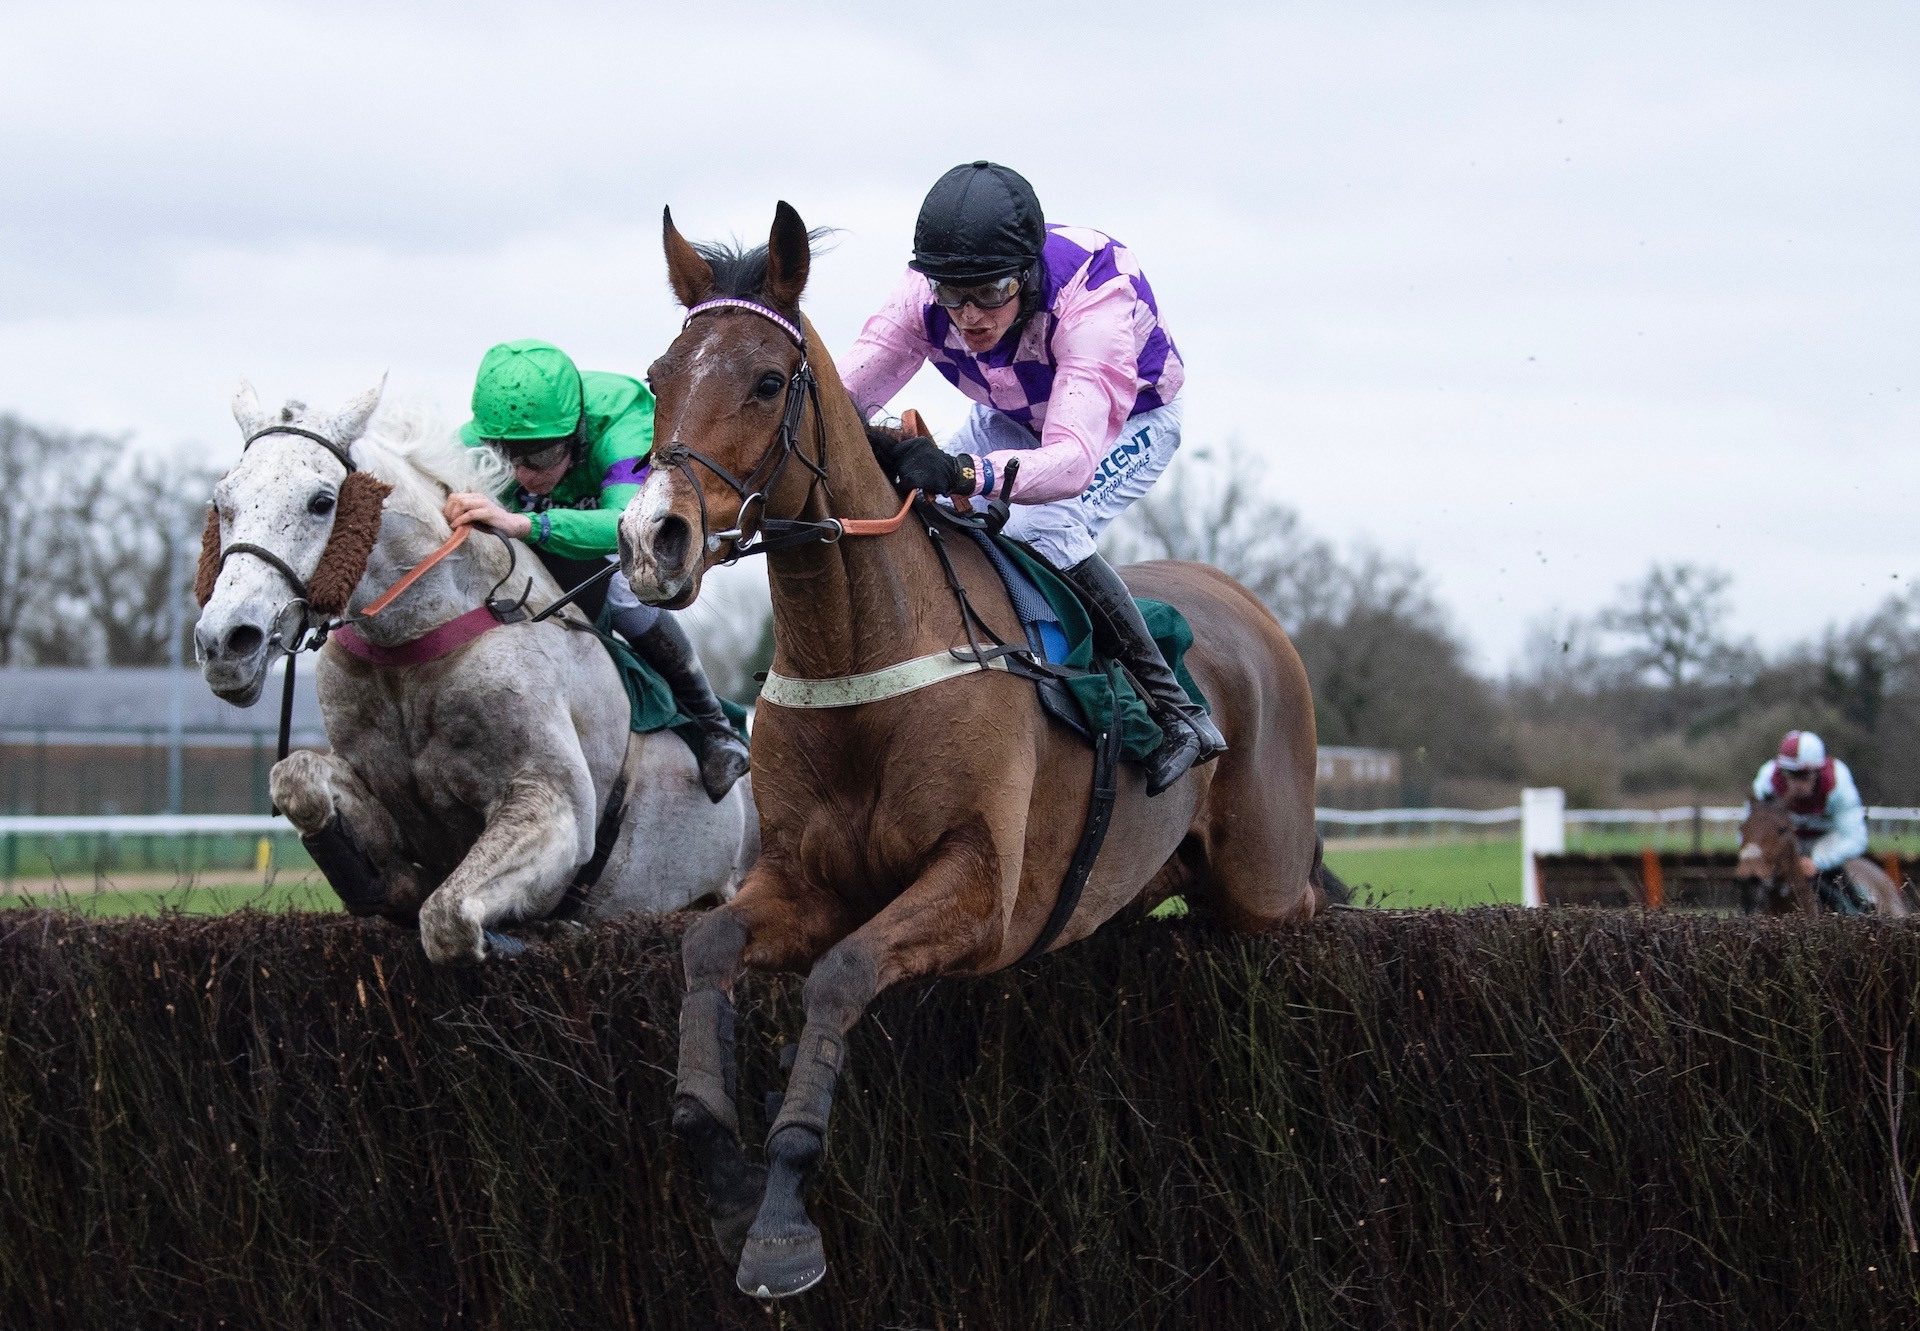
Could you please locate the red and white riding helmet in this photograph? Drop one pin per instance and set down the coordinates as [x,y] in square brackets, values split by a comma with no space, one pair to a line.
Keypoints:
[1802,751]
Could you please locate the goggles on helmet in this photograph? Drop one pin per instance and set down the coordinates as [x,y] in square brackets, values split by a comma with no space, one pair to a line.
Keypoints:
[539,458]
[981,295]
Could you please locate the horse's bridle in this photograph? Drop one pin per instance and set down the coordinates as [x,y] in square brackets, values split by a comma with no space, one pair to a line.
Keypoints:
[775,533]
[298,640]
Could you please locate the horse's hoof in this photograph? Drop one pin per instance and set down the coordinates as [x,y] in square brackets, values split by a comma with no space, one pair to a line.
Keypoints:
[780,1267]
[730,1228]
[503,945]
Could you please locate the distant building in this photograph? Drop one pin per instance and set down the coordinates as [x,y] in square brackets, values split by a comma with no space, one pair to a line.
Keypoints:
[1352,778]
[94,740]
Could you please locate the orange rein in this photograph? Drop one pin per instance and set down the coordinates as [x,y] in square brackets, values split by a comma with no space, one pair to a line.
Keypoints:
[911,425]
[877,526]
[417,572]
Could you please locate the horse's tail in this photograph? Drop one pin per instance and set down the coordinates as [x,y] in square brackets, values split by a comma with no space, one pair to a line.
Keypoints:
[1337,892]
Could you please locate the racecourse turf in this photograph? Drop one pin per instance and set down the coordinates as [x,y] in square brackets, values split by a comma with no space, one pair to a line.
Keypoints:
[1447,872]
[1454,874]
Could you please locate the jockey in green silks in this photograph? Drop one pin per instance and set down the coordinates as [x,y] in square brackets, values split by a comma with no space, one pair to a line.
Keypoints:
[580,446]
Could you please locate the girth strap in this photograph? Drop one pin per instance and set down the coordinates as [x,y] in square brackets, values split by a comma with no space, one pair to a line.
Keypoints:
[604,837]
[1106,766]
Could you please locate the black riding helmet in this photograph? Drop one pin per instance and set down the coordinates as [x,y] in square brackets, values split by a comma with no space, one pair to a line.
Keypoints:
[980,221]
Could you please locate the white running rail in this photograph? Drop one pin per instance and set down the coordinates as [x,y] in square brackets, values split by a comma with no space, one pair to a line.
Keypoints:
[156,824]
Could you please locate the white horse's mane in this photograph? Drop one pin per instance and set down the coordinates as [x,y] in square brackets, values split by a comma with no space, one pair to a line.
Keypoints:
[413,449]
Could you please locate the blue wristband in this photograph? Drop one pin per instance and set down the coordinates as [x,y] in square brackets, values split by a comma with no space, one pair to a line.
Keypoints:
[546,528]
[986,477]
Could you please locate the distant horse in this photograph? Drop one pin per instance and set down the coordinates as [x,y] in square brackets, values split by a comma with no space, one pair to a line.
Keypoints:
[927,833]
[1771,879]
[477,767]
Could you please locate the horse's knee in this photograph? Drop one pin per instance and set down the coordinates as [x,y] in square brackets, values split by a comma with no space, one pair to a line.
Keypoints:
[711,950]
[302,789]
[841,985]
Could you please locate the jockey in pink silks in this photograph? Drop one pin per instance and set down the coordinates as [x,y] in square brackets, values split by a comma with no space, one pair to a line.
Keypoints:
[1056,336]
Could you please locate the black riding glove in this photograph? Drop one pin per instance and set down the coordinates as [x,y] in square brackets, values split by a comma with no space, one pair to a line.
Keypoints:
[919,464]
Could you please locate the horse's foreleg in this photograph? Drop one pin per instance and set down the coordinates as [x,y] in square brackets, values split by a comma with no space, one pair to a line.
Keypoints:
[352,837]
[951,916]
[518,868]
[783,928]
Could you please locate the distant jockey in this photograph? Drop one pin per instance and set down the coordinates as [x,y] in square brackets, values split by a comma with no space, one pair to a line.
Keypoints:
[1056,336]
[579,445]
[1828,816]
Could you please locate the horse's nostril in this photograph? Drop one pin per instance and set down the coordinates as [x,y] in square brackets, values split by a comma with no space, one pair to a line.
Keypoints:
[243,640]
[670,542]
[626,546]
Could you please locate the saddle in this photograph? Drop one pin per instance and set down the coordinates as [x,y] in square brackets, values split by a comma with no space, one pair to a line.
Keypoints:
[1078,686]
[1059,632]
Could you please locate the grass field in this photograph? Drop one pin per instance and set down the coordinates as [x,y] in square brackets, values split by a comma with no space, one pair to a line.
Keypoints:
[1448,872]
[1454,874]
[111,896]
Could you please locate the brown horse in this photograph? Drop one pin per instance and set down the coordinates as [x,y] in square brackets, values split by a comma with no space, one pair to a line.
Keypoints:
[1773,881]
[924,834]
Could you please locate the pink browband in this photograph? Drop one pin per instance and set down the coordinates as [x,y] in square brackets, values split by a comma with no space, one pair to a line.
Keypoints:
[728,302]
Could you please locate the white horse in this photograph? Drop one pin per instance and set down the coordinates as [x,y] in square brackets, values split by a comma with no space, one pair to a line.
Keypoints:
[467,789]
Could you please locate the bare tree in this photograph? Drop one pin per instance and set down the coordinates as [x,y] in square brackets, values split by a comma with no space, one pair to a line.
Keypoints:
[732,625]
[1387,670]
[1674,625]
[1211,511]
[135,558]
[39,468]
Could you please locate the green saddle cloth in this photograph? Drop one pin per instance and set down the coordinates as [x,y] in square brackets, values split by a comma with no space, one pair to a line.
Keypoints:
[650,697]
[1092,694]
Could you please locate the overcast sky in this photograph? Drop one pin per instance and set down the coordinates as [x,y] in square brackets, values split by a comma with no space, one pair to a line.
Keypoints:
[1532,293]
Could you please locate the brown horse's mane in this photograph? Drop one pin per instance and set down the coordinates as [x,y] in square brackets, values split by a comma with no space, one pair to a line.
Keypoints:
[741,273]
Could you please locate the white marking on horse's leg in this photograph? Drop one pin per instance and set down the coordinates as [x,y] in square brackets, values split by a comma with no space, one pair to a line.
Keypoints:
[302,788]
[518,868]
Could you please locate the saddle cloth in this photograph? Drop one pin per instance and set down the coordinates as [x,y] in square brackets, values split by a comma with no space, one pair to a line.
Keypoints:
[1060,631]
[649,697]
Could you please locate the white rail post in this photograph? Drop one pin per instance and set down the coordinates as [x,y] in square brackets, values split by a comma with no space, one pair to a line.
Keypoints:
[1543,831]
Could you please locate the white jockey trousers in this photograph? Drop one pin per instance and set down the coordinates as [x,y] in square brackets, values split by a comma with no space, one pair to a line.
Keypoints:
[1067,531]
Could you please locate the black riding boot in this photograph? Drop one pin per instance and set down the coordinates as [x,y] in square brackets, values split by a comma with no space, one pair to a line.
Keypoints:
[723,757]
[1191,736]
[1842,895]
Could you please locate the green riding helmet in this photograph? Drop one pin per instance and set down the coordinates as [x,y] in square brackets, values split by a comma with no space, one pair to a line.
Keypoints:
[526,390]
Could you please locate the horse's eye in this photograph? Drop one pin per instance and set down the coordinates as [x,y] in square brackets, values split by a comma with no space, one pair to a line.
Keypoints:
[320,503]
[770,383]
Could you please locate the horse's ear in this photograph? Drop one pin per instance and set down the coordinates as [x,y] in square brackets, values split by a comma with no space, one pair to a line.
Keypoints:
[247,412]
[350,422]
[789,253]
[691,275]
